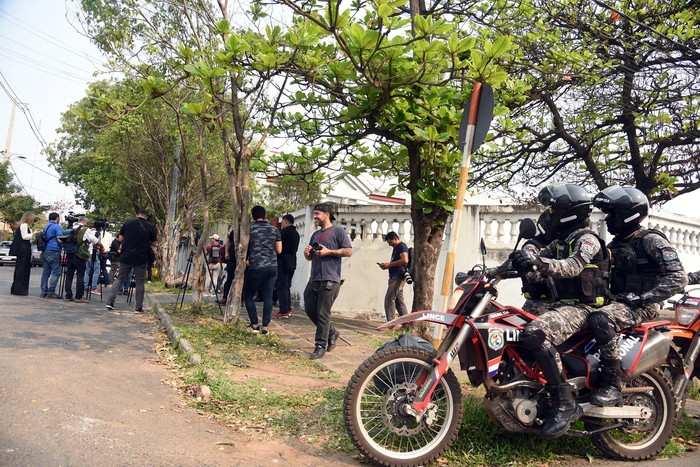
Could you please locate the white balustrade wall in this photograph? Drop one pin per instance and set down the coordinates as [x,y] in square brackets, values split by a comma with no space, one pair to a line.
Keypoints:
[365,283]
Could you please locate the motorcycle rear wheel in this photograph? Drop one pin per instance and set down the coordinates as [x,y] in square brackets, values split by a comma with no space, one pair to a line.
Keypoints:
[378,391]
[641,439]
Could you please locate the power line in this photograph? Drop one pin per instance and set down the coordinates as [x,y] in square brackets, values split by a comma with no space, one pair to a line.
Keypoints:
[71,65]
[42,35]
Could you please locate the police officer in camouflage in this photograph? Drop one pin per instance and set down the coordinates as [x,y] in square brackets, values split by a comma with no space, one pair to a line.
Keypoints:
[576,265]
[645,272]
[537,294]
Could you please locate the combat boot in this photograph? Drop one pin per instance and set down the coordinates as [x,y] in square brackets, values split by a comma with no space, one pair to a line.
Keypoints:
[609,394]
[564,412]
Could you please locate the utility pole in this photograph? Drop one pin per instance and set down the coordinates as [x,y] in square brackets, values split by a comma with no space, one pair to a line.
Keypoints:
[8,141]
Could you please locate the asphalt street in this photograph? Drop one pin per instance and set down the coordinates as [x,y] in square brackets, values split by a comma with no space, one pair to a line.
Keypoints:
[82,386]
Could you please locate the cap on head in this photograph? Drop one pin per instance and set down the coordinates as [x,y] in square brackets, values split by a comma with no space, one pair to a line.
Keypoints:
[214,236]
[325,207]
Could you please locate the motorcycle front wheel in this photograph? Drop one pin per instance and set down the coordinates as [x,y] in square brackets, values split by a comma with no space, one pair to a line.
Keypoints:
[640,439]
[375,409]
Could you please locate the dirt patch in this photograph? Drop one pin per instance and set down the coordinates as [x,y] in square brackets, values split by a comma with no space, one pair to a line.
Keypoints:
[276,378]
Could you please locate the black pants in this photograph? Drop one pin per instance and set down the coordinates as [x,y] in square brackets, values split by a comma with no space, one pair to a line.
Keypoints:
[75,266]
[230,274]
[20,282]
[284,282]
[318,300]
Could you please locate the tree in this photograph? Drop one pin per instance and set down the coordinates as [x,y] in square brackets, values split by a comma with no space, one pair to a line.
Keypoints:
[614,94]
[120,165]
[13,204]
[382,91]
[234,74]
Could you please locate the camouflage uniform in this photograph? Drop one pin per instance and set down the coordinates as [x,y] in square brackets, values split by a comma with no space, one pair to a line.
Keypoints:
[563,319]
[664,277]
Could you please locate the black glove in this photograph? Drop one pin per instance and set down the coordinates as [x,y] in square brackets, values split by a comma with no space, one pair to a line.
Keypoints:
[631,299]
[694,278]
[523,261]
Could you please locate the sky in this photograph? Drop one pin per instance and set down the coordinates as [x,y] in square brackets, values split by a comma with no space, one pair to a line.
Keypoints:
[48,64]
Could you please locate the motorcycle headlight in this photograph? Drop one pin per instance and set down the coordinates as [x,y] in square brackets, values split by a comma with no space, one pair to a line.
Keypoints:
[686,314]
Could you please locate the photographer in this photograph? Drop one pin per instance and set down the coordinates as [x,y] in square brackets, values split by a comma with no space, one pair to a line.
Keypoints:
[393,300]
[137,237]
[77,247]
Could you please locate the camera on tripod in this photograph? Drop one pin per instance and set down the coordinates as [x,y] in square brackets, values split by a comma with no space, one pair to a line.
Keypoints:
[72,218]
[100,224]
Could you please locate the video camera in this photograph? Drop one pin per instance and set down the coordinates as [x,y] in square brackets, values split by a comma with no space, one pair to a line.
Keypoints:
[100,224]
[72,218]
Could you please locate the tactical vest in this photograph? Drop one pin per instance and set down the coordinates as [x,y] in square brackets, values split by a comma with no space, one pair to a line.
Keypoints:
[535,290]
[633,269]
[591,287]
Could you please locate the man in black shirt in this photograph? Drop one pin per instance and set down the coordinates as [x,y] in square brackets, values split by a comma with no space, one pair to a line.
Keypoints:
[286,265]
[137,237]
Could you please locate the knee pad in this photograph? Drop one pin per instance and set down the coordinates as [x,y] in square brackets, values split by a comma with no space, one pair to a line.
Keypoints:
[532,340]
[603,329]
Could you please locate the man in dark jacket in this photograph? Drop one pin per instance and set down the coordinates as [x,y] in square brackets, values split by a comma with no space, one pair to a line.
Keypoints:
[286,265]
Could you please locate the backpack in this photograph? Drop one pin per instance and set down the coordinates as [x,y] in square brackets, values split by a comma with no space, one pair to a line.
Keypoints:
[41,241]
[215,253]
[77,237]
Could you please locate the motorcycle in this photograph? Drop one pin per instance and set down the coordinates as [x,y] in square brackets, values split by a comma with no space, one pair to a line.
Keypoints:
[403,405]
[685,333]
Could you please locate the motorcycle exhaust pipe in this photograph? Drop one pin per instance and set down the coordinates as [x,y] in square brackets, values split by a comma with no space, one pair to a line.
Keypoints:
[655,352]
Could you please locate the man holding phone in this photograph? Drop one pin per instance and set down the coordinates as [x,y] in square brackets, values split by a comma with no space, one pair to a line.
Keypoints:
[326,249]
[393,300]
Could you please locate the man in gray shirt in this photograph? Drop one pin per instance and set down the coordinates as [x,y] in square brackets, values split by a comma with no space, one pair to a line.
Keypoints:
[326,249]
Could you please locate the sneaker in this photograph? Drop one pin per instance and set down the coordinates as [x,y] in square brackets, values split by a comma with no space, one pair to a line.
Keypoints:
[253,328]
[43,294]
[318,352]
[220,302]
[138,310]
[69,299]
[82,300]
[264,331]
[281,315]
[53,295]
[110,306]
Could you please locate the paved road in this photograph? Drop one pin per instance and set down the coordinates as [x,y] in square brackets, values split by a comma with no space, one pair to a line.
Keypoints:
[81,386]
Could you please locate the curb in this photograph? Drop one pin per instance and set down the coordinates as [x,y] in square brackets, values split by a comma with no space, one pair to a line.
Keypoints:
[176,340]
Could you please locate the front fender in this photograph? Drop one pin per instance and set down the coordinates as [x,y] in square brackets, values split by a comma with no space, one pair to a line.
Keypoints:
[447,319]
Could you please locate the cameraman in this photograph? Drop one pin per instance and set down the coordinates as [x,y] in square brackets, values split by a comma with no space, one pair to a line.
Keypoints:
[393,300]
[77,254]
[137,237]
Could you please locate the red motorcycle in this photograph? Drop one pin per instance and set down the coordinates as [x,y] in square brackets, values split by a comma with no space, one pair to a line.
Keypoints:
[403,405]
[685,333]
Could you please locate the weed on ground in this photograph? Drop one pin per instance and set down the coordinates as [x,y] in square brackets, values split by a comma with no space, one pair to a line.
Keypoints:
[259,385]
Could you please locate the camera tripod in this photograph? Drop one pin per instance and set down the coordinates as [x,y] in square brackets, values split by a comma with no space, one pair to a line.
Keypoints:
[185,279]
[99,233]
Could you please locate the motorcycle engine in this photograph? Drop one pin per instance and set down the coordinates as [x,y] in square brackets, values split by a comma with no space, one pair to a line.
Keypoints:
[518,410]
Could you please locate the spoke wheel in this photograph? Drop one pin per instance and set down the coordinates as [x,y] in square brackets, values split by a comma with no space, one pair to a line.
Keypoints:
[376,402]
[640,439]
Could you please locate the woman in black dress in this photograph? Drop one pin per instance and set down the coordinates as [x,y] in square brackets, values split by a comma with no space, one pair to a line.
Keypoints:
[22,248]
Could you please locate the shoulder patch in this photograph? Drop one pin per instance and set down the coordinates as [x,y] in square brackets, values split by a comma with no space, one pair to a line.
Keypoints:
[587,248]
[668,253]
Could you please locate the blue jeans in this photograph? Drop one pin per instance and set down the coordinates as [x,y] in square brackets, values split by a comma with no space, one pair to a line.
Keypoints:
[263,279]
[52,268]
[95,272]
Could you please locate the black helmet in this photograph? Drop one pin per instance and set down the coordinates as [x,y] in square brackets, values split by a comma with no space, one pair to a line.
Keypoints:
[625,207]
[570,206]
